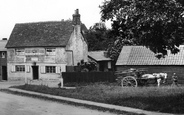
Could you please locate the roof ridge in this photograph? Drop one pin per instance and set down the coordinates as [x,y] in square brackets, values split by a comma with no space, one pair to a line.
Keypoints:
[98,51]
[44,22]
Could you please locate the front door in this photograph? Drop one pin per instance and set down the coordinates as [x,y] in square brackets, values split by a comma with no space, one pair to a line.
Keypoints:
[35,72]
[4,73]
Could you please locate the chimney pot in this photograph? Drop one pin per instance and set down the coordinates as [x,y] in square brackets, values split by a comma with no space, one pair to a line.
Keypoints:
[76,18]
[4,38]
[77,11]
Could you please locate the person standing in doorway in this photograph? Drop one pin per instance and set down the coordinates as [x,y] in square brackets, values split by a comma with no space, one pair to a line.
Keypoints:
[61,80]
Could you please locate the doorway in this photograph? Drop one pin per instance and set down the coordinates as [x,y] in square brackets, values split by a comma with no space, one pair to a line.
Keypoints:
[4,73]
[35,72]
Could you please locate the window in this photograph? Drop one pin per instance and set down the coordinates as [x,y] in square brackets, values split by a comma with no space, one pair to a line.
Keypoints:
[50,69]
[20,68]
[3,54]
[50,51]
[20,51]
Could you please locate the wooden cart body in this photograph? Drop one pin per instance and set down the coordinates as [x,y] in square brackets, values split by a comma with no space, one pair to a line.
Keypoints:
[133,78]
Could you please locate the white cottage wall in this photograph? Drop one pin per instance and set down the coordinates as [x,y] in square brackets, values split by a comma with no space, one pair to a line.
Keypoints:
[78,45]
[39,59]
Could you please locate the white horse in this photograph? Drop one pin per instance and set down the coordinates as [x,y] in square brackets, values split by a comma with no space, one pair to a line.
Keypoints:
[157,76]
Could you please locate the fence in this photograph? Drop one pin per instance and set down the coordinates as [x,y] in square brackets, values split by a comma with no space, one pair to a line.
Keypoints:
[88,77]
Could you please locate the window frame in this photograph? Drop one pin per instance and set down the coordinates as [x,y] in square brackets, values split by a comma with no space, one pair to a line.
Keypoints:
[50,69]
[20,51]
[3,55]
[50,51]
[19,68]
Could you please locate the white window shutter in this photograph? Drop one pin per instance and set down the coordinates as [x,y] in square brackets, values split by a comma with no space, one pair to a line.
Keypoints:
[58,69]
[42,69]
[27,69]
[63,68]
[13,68]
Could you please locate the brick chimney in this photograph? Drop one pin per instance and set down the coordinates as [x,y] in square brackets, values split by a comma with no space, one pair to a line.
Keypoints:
[76,17]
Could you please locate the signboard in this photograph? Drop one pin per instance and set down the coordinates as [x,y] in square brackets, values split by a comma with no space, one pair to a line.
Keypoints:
[34,52]
[34,58]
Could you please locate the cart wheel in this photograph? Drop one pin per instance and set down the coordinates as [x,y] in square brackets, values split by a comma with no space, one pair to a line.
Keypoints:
[129,81]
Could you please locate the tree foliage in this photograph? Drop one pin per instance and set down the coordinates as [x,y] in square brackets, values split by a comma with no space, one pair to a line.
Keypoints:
[97,37]
[156,24]
[181,2]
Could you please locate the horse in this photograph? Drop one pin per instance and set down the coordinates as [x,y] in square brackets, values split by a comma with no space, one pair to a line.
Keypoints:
[157,76]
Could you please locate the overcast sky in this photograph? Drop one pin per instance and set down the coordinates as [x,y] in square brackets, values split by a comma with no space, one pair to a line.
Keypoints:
[22,11]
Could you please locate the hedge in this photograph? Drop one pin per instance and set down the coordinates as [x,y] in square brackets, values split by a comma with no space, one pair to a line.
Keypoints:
[88,77]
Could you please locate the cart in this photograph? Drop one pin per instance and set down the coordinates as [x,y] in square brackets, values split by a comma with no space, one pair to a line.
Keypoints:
[133,78]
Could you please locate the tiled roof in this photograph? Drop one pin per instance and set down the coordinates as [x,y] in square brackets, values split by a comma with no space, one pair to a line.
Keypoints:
[2,45]
[98,56]
[139,55]
[56,33]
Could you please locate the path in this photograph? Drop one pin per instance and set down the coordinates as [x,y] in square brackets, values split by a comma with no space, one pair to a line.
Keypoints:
[18,105]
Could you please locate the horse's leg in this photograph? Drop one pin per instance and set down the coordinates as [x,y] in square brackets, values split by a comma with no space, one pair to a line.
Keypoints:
[158,82]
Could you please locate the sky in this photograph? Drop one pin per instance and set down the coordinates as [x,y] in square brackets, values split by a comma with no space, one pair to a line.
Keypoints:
[24,11]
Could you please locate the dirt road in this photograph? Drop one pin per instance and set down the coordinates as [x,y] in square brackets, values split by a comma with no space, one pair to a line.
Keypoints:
[6,84]
[18,105]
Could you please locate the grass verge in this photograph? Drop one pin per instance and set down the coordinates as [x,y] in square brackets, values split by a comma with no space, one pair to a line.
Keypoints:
[163,99]
[118,112]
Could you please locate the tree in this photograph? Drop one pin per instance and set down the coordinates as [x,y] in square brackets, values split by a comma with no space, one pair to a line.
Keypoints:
[97,37]
[156,24]
[181,2]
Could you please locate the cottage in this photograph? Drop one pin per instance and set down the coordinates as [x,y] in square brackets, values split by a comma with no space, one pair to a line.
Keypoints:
[142,57]
[102,60]
[42,50]
[3,59]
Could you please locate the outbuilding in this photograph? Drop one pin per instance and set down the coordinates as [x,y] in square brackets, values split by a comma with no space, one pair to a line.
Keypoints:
[142,57]
[104,63]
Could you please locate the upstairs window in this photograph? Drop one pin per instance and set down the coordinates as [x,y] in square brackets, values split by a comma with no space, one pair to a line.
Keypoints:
[3,55]
[50,51]
[20,51]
